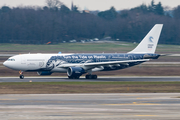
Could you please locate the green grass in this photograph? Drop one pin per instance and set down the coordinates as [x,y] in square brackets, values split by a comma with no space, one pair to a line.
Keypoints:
[64,47]
[82,48]
[89,87]
[89,83]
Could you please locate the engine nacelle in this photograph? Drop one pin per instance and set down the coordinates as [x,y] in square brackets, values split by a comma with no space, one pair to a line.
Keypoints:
[44,73]
[75,71]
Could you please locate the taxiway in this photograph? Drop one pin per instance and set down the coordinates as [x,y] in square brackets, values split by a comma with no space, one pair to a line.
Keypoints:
[65,79]
[131,106]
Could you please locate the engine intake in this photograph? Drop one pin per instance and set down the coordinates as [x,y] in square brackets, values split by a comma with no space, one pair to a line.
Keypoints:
[75,71]
[44,73]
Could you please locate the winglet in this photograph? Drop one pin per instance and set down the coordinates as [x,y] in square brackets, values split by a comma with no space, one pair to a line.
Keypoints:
[149,43]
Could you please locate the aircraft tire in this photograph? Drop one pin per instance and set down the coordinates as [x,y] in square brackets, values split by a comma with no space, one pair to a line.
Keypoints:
[91,76]
[88,76]
[94,76]
[76,77]
[21,76]
[73,77]
[70,77]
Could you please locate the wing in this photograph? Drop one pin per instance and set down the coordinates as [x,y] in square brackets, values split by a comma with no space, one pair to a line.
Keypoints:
[173,55]
[114,62]
[87,66]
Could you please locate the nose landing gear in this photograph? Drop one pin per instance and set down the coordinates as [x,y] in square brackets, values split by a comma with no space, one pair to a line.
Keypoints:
[21,75]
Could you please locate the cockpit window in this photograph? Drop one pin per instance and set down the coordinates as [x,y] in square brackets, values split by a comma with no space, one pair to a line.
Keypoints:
[11,60]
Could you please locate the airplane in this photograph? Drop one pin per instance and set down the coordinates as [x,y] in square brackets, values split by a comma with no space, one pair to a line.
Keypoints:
[76,65]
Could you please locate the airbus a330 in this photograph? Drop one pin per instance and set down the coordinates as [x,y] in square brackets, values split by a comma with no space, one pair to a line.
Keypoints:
[76,65]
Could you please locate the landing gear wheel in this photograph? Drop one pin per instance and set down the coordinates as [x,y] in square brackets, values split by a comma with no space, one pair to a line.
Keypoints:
[91,76]
[88,76]
[76,77]
[70,77]
[21,76]
[94,76]
[73,77]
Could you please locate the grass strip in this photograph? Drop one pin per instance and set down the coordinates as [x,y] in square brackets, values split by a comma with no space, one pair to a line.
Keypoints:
[87,83]
[88,87]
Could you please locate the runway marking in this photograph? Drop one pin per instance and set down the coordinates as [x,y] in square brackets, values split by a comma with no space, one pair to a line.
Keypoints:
[134,103]
[146,115]
[144,98]
[7,99]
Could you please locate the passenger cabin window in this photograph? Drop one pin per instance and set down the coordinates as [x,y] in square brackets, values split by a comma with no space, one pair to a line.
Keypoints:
[11,60]
[35,60]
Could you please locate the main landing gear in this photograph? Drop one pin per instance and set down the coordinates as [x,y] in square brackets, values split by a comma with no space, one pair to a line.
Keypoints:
[91,76]
[21,75]
[87,77]
[73,77]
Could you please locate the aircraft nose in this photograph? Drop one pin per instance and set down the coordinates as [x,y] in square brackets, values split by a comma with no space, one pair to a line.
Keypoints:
[5,63]
[11,64]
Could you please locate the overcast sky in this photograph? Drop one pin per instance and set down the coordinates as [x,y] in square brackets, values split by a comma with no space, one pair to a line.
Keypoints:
[92,4]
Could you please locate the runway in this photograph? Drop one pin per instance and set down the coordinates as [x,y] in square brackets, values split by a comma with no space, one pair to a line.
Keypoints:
[65,79]
[132,106]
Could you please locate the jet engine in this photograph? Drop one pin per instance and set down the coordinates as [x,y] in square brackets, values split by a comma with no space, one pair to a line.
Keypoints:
[75,71]
[44,73]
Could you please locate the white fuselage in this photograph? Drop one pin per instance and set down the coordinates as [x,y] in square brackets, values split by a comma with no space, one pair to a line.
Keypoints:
[31,62]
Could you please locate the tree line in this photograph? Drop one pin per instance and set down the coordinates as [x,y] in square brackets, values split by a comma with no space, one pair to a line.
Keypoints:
[56,23]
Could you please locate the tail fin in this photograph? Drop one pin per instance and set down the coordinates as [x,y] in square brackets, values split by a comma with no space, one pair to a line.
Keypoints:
[149,43]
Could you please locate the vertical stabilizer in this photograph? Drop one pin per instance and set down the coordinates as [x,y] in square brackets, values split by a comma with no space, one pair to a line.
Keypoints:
[149,43]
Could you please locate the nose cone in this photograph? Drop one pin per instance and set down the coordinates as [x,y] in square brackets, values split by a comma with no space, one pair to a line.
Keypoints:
[8,64]
[5,64]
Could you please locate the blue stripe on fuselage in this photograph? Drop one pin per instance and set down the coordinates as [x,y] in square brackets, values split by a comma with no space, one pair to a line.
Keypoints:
[60,59]
[90,58]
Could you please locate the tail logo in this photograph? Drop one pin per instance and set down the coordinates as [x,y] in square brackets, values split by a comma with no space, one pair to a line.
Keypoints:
[151,39]
[150,45]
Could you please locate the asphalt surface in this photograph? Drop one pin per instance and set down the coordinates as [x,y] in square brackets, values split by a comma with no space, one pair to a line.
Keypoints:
[65,79]
[131,106]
